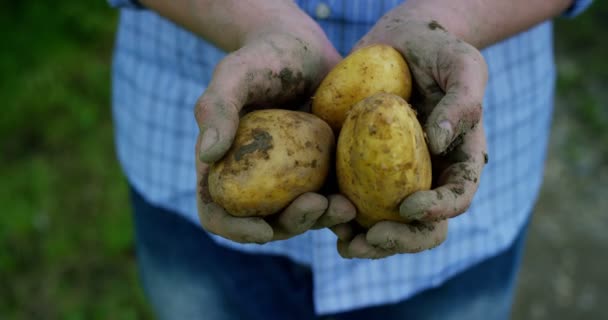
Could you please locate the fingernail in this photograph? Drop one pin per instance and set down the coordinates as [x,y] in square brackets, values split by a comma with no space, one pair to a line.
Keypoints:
[210,137]
[440,136]
[445,125]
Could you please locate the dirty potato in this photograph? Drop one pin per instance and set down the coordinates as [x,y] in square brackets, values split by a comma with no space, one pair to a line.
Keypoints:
[276,156]
[366,71]
[382,157]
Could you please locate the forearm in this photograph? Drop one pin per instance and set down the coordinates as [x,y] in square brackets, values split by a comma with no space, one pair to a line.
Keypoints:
[483,22]
[228,24]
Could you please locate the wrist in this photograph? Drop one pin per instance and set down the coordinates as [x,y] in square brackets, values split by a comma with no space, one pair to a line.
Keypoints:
[448,15]
[481,23]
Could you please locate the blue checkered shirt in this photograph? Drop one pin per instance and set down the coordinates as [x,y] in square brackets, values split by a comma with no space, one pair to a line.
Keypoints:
[160,70]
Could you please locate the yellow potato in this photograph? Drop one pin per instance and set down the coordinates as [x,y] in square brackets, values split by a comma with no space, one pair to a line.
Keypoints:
[366,71]
[382,157]
[276,156]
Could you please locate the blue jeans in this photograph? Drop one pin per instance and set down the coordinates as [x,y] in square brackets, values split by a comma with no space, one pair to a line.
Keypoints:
[186,275]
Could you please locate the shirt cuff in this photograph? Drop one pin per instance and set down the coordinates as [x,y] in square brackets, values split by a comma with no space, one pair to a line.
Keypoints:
[132,4]
[577,7]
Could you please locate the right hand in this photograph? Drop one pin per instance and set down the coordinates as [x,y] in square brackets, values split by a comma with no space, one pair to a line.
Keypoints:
[274,68]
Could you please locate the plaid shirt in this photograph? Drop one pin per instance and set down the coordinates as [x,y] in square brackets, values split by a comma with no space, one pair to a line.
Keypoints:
[160,70]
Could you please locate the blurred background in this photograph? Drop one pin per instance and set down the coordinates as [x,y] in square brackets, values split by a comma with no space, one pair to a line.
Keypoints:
[65,226]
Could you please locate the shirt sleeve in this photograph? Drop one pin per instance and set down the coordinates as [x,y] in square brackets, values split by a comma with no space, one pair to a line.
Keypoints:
[132,4]
[577,7]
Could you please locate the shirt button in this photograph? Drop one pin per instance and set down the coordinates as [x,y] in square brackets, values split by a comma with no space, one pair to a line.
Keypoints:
[323,11]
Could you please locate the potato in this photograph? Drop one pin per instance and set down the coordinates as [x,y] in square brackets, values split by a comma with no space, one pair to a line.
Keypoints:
[276,156]
[382,157]
[366,71]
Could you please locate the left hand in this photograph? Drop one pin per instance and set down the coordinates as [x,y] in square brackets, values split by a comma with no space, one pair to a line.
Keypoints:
[450,78]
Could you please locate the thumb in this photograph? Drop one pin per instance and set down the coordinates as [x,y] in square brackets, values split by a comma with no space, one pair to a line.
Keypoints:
[218,121]
[217,111]
[455,115]
[459,110]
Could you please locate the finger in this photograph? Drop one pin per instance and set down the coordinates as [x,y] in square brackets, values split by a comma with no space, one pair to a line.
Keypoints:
[360,248]
[457,183]
[216,220]
[244,230]
[217,112]
[257,74]
[340,210]
[202,175]
[407,238]
[426,94]
[299,216]
[463,78]
[344,231]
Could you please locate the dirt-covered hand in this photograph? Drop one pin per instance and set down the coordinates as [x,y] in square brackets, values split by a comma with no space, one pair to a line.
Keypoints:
[450,78]
[387,238]
[275,68]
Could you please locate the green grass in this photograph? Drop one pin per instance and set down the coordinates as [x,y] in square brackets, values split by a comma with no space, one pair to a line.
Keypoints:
[582,49]
[65,229]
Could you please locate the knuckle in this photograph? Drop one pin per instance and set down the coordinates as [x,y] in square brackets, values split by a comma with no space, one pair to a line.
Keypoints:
[201,109]
[227,64]
[476,61]
[471,56]
[471,59]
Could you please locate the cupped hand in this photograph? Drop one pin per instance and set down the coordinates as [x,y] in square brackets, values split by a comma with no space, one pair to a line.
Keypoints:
[274,68]
[450,78]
